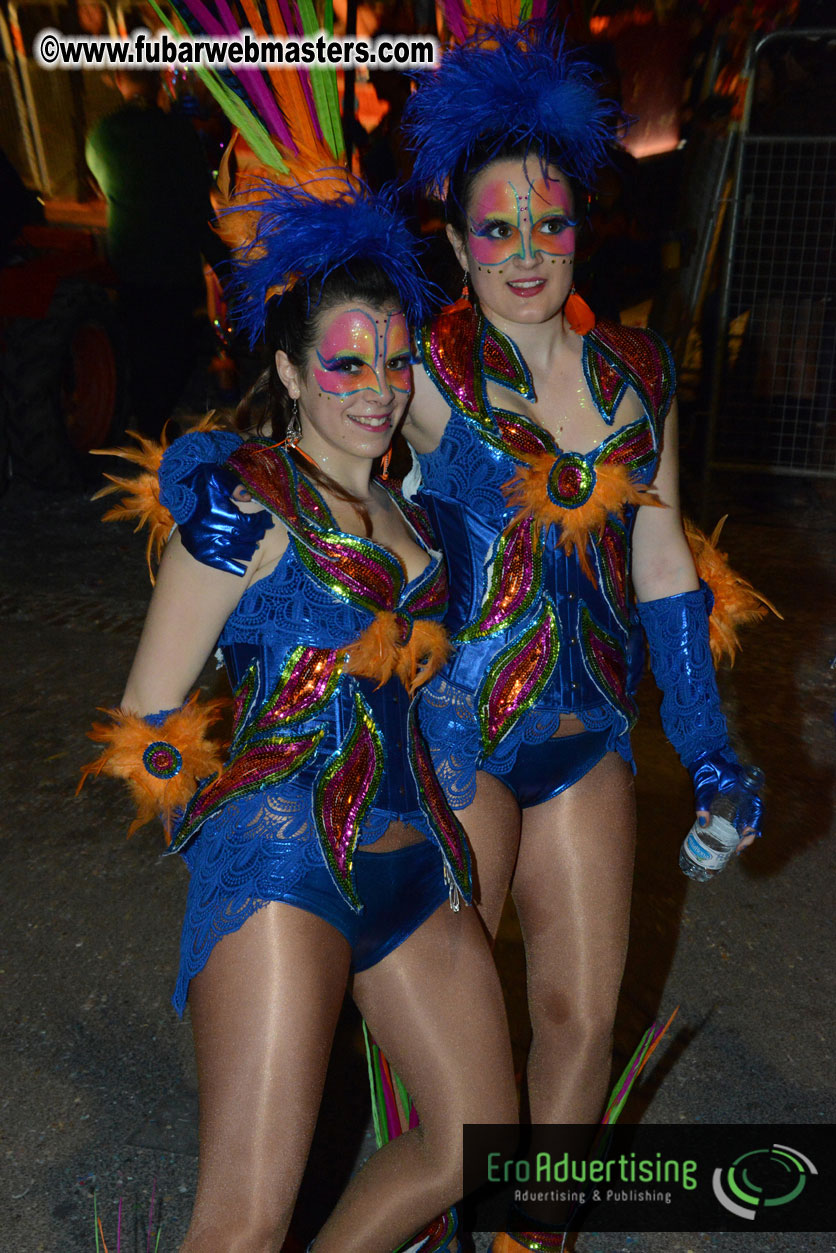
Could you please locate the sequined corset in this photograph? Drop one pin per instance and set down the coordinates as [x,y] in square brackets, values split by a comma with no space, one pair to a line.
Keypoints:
[541,623]
[350,741]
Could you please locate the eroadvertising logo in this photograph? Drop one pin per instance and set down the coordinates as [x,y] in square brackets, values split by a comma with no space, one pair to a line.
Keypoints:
[650,1178]
[762,1177]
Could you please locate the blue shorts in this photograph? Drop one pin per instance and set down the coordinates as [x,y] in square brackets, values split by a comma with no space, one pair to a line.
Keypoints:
[542,771]
[233,877]
[399,890]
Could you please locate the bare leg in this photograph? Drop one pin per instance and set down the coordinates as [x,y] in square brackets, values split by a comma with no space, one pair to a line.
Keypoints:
[435,1007]
[264,1010]
[572,889]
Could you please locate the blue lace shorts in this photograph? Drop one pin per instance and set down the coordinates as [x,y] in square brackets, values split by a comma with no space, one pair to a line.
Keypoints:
[236,871]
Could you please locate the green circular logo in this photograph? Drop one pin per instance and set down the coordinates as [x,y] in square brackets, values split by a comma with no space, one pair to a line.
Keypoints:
[761,1179]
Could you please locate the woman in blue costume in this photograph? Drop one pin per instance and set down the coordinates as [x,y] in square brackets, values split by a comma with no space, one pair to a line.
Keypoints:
[323,853]
[546,453]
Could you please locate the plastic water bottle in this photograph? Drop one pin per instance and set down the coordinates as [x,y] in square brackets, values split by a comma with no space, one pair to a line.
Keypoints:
[705,850]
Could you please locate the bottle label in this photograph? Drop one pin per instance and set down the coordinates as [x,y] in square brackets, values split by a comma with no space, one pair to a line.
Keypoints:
[702,854]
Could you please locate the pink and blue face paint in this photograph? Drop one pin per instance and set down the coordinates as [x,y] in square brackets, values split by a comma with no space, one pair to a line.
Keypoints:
[509,221]
[360,352]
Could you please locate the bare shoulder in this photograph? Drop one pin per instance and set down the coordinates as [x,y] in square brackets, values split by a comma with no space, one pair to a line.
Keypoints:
[428,413]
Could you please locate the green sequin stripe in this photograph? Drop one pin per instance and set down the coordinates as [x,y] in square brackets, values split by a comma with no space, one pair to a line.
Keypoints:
[243,698]
[494,616]
[620,440]
[516,677]
[344,793]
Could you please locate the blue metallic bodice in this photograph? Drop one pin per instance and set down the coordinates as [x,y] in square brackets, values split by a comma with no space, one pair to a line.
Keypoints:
[579,602]
[461,484]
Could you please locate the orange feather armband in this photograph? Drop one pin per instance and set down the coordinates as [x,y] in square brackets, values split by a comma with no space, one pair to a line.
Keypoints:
[161,765]
[736,602]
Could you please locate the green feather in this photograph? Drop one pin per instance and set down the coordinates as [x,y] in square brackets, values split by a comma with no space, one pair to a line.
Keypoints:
[256,135]
[324,82]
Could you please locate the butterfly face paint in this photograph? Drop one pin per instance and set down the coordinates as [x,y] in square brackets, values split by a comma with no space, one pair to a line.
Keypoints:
[515,218]
[520,242]
[355,386]
[360,351]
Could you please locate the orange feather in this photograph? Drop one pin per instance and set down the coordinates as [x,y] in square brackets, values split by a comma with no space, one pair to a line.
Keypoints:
[736,602]
[613,490]
[373,655]
[141,492]
[423,655]
[379,652]
[127,737]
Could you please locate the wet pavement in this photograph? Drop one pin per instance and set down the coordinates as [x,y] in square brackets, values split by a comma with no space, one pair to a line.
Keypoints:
[97,1071]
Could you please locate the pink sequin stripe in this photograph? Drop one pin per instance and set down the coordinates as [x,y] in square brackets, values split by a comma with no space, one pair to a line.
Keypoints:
[514,578]
[259,765]
[448,353]
[267,473]
[642,359]
[516,678]
[430,599]
[611,550]
[308,681]
[345,790]
[605,661]
[355,568]
[637,447]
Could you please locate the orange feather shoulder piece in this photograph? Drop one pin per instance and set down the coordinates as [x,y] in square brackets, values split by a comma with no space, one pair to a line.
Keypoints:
[140,501]
[736,602]
[161,765]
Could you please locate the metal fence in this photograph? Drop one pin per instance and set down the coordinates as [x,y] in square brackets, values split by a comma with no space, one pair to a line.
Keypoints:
[774,387]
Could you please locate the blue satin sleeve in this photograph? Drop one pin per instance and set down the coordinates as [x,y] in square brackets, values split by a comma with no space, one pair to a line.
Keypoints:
[196,487]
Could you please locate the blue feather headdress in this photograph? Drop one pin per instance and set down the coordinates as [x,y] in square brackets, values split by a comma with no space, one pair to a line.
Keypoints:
[302,233]
[502,87]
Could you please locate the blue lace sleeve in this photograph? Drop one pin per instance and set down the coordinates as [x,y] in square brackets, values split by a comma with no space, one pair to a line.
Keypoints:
[680,657]
[196,487]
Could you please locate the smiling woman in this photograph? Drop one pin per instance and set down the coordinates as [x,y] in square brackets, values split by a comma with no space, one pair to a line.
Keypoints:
[545,445]
[322,852]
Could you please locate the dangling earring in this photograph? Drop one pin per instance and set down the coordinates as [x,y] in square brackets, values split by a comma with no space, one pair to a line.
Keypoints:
[464,301]
[385,462]
[578,314]
[294,428]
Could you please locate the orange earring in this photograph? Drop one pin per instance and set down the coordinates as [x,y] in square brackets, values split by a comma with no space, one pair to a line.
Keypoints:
[578,314]
[385,462]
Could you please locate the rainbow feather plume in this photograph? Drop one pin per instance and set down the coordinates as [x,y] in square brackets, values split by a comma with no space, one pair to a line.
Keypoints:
[509,86]
[621,1091]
